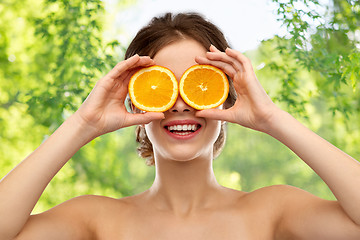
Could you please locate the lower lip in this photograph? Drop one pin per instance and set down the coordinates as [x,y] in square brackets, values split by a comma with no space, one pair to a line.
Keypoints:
[182,137]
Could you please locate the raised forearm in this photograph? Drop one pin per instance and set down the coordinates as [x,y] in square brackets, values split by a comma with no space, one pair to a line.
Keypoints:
[339,171]
[23,186]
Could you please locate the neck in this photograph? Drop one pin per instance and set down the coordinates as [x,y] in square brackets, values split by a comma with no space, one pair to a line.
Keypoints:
[183,187]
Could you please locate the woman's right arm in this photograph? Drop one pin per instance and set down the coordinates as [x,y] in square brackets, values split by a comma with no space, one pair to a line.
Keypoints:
[103,111]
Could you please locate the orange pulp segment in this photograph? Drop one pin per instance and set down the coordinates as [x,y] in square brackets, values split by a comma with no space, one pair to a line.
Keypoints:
[204,87]
[153,89]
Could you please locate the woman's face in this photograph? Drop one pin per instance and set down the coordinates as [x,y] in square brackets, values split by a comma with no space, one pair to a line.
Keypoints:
[181,136]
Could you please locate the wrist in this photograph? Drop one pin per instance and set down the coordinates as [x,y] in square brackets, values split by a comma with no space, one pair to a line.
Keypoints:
[285,128]
[84,131]
[275,122]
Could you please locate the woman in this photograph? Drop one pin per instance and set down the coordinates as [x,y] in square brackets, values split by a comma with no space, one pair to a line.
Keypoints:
[185,200]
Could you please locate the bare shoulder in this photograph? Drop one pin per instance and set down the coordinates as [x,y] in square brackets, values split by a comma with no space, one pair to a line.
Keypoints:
[273,195]
[282,194]
[276,189]
[76,218]
[265,203]
[301,215]
[100,212]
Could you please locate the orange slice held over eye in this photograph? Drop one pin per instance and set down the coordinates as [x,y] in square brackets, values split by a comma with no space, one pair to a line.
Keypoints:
[153,89]
[204,87]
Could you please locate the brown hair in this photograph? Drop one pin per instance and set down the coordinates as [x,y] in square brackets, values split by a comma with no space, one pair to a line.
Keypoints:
[162,31]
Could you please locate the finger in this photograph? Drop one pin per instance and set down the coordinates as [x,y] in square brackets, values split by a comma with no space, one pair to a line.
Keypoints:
[228,69]
[144,118]
[223,57]
[248,68]
[122,66]
[130,63]
[213,49]
[122,78]
[144,61]
[240,57]
[215,114]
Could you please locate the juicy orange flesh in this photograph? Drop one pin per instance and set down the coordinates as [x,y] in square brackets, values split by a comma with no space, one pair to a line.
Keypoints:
[153,88]
[204,87]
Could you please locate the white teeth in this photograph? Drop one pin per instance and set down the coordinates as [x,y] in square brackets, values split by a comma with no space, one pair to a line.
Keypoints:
[189,127]
[182,133]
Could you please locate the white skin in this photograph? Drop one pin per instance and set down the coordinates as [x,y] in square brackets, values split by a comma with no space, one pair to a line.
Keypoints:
[185,201]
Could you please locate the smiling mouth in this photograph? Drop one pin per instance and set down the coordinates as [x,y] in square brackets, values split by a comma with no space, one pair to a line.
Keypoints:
[182,130]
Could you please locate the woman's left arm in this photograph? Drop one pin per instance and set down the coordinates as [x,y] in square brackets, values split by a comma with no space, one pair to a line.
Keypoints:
[254,109]
[320,219]
[339,171]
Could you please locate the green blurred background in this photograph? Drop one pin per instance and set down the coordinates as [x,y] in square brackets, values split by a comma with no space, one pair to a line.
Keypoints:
[52,52]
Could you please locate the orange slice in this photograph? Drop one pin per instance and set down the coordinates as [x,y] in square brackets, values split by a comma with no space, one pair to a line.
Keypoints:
[153,89]
[204,87]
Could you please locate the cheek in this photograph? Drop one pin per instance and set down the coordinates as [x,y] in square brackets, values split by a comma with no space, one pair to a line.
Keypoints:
[149,131]
[152,131]
[215,127]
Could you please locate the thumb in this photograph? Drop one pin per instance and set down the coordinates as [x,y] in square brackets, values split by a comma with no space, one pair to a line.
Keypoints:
[144,118]
[216,114]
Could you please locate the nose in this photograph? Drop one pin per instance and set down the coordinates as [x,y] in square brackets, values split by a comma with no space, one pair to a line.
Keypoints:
[180,106]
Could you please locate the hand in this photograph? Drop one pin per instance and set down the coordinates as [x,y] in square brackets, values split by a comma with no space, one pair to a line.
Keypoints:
[104,109]
[253,107]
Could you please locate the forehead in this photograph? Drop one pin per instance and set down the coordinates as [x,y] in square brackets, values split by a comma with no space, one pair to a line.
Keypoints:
[179,56]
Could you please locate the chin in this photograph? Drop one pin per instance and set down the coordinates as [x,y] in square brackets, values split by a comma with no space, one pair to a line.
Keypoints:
[179,155]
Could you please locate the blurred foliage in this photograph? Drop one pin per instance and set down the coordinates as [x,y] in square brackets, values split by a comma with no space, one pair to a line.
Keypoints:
[324,40]
[52,53]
